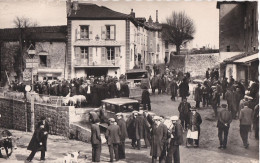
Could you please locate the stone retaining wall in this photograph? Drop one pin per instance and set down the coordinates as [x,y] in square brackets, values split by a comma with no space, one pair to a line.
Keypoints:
[13,116]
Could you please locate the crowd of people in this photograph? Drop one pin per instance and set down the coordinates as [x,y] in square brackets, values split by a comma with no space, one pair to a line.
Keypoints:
[93,88]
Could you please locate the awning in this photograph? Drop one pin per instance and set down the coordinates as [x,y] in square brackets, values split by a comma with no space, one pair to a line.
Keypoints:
[43,53]
[247,59]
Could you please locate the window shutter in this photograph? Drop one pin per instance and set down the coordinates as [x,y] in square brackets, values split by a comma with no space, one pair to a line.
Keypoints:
[48,61]
[103,55]
[103,32]
[77,52]
[91,32]
[112,32]
[78,33]
[90,52]
[117,52]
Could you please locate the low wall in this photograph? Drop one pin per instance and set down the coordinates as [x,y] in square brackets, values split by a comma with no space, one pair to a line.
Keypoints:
[16,114]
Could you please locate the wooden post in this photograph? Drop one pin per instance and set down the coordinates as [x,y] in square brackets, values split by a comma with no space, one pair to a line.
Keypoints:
[25,105]
[32,112]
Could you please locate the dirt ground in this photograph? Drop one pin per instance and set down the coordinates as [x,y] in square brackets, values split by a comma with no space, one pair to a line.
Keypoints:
[208,151]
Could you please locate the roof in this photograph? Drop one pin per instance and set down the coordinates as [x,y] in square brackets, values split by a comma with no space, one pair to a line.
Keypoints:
[93,11]
[120,101]
[44,33]
[237,57]
[247,59]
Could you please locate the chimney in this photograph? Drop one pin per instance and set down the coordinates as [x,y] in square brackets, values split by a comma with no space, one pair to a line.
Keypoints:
[132,13]
[156,16]
[75,5]
[68,5]
[150,20]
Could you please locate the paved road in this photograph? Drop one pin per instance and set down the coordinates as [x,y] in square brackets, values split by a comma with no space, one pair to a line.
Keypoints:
[161,105]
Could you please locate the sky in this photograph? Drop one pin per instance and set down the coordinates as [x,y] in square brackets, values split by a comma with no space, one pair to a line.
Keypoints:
[53,12]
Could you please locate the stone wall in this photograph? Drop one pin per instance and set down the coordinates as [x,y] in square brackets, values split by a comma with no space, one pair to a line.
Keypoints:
[13,116]
[198,64]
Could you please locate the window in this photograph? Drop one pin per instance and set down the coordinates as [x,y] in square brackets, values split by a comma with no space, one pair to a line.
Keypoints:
[84,32]
[43,60]
[166,45]
[110,32]
[84,52]
[110,53]
[158,48]
[228,48]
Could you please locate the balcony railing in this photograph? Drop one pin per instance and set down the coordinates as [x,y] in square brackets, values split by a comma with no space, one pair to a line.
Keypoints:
[85,62]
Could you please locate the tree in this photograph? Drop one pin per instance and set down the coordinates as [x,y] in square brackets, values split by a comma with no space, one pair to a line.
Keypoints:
[178,30]
[22,23]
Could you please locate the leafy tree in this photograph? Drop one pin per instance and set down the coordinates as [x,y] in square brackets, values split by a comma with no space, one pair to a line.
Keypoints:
[178,30]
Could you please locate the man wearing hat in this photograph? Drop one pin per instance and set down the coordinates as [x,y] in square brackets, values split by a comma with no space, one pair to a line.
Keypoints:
[194,125]
[215,97]
[159,137]
[175,140]
[95,137]
[198,95]
[184,110]
[112,135]
[148,121]
[224,120]
[122,125]
[245,118]
[139,128]
[130,125]
[45,130]
[146,99]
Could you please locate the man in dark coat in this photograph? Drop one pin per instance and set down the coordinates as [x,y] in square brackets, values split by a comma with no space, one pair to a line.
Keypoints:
[46,130]
[224,85]
[229,97]
[214,102]
[207,73]
[159,138]
[256,121]
[184,110]
[194,125]
[130,124]
[146,99]
[198,95]
[124,92]
[184,89]
[122,125]
[147,126]
[205,94]
[245,117]
[173,87]
[175,140]
[95,137]
[36,143]
[154,83]
[224,120]
[113,138]
[161,84]
[139,129]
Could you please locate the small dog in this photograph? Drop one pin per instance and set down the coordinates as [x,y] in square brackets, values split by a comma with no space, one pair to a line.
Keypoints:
[71,157]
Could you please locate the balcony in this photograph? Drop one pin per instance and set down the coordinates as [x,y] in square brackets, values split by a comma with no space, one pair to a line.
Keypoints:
[103,63]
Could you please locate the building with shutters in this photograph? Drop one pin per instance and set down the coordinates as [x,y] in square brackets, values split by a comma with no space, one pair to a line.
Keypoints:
[49,43]
[105,42]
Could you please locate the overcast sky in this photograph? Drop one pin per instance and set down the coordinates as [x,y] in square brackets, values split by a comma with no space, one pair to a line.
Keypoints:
[53,12]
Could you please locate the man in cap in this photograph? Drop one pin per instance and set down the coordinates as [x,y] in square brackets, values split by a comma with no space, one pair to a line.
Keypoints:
[245,118]
[184,110]
[139,128]
[175,140]
[159,138]
[148,121]
[113,138]
[224,120]
[122,125]
[194,125]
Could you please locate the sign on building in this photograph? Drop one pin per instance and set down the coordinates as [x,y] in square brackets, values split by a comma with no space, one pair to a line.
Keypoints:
[32,63]
[27,75]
